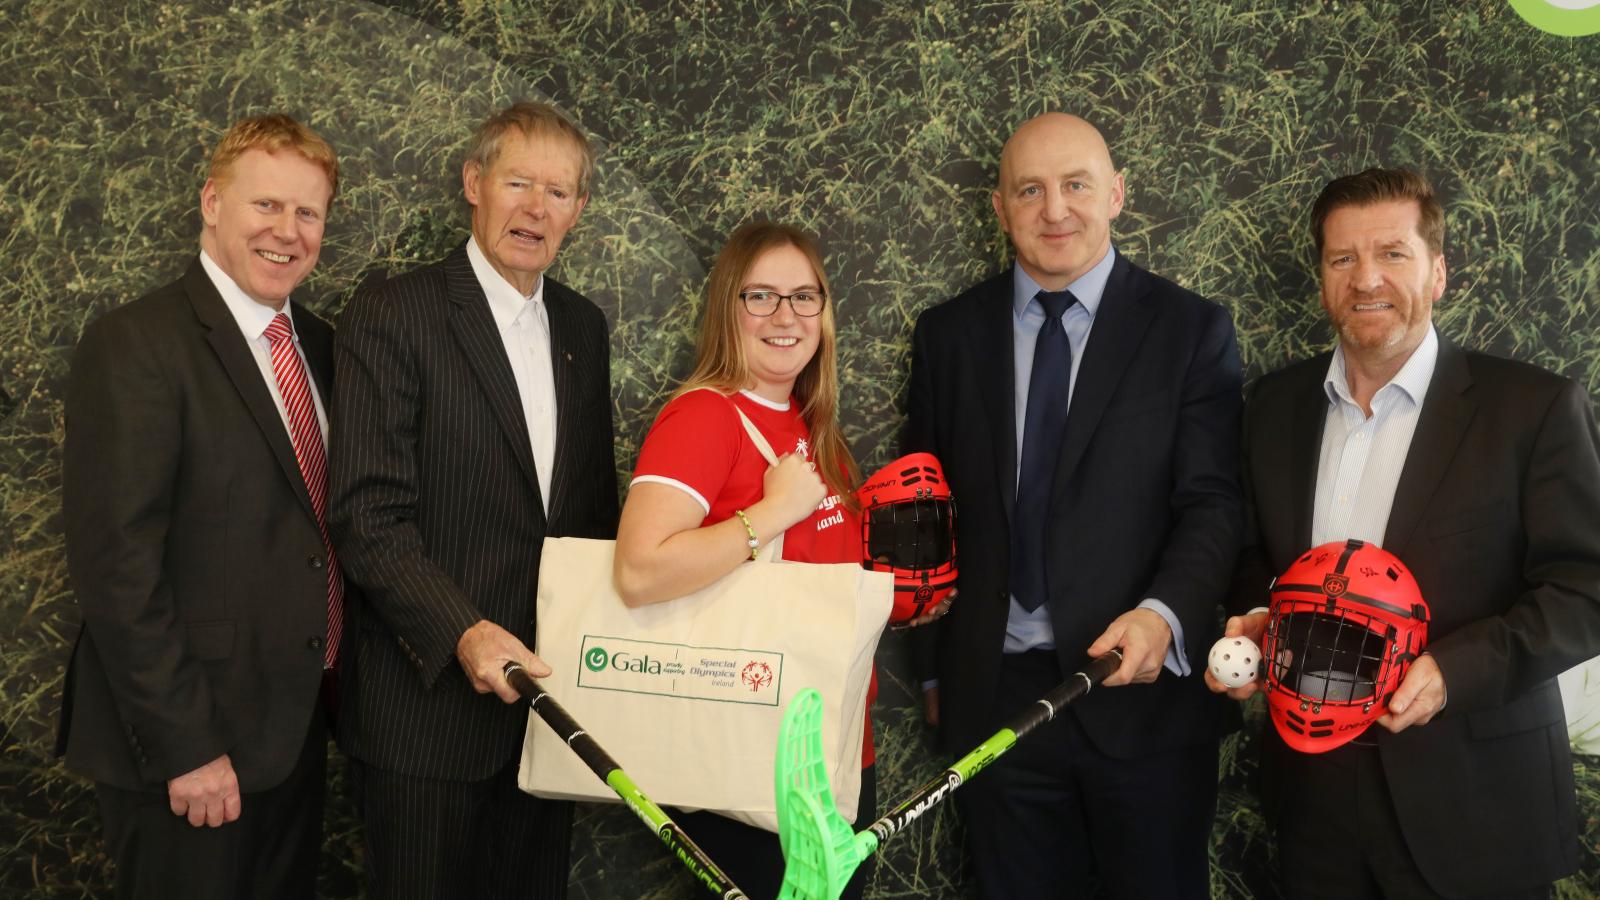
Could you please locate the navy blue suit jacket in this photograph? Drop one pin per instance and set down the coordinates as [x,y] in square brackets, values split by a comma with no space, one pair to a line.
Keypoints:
[1145,502]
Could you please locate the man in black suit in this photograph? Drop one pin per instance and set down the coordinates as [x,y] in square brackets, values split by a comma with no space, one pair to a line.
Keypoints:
[194,493]
[476,420]
[1482,475]
[1110,524]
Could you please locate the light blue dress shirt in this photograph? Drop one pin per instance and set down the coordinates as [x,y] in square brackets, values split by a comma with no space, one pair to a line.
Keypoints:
[1033,630]
[1359,469]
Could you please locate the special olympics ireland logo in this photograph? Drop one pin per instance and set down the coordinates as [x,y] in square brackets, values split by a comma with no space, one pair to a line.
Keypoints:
[756,675]
[596,658]
[1568,18]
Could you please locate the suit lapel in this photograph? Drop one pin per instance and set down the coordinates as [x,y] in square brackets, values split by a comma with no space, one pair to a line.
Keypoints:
[317,343]
[229,344]
[564,338]
[1309,417]
[1119,326]
[1446,413]
[995,347]
[474,329]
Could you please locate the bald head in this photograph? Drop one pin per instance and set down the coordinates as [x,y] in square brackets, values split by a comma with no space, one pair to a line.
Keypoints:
[1060,129]
[1057,195]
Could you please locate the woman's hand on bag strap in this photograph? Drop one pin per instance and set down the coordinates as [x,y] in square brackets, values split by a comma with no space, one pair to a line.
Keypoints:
[792,490]
[483,651]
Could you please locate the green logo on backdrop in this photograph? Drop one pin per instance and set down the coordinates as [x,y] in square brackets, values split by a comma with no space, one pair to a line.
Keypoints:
[1568,18]
[596,659]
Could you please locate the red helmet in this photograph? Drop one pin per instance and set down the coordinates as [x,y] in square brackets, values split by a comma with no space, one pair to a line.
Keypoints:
[908,527]
[1346,621]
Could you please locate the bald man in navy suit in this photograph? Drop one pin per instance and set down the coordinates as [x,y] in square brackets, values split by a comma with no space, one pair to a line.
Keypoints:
[1086,412]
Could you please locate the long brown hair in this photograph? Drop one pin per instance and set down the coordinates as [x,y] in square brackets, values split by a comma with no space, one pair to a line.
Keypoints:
[720,362]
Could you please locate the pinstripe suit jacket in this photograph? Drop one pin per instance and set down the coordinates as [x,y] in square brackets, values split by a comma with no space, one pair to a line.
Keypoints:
[436,510]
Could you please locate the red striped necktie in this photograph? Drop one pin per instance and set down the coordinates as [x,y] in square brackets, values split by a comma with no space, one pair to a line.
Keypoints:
[307,438]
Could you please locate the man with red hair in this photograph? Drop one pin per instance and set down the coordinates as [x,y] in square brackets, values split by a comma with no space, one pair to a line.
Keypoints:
[194,498]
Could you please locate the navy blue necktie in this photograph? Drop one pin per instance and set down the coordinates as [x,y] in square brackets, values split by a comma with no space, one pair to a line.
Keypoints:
[1042,431]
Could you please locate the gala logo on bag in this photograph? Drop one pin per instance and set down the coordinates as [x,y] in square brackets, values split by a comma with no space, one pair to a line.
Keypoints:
[691,672]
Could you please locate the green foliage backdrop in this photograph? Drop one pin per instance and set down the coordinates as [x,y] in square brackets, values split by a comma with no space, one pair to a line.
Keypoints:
[875,124]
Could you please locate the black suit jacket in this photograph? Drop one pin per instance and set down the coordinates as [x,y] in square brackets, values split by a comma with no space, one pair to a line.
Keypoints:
[192,547]
[1145,502]
[436,508]
[1497,514]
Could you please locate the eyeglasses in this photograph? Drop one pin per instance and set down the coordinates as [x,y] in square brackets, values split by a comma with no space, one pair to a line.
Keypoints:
[806,304]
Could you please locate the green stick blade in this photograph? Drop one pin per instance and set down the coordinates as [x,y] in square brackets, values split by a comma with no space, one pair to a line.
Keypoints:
[820,849]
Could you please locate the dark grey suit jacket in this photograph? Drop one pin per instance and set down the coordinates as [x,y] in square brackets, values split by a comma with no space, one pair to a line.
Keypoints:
[192,545]
[1497,514]
[436,509]
[1145,503]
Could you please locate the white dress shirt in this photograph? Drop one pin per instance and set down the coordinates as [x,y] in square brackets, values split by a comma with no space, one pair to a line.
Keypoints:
[253,319]
[524,324]
[1362,457]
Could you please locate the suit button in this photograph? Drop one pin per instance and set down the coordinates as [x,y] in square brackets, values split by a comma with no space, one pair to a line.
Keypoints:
[314,562]
[314,643]
[1002,596]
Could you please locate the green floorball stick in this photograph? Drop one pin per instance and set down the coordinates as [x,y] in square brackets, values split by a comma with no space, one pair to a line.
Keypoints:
[601,763]
[820,849]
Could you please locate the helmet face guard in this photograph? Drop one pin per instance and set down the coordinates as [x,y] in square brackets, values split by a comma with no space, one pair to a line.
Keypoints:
[908,522]
[1345,622]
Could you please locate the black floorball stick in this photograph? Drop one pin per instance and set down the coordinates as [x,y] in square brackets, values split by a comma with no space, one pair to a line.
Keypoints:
[601,763]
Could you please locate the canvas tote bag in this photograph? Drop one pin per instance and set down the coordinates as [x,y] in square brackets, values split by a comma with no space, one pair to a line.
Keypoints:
[688,695]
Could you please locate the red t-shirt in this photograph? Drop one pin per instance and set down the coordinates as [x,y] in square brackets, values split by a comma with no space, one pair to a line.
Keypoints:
[699,446]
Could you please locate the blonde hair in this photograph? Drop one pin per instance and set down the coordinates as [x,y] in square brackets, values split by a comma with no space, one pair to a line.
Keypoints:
[531,119]
[272,133]
[720,362]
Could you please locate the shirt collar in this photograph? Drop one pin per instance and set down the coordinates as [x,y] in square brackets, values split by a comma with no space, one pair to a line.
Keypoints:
[506,303]
[1412,379]
[1089,288]
[253,317]
[756,398]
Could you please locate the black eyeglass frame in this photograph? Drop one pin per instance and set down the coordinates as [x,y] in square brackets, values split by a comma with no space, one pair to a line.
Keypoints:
[745,299]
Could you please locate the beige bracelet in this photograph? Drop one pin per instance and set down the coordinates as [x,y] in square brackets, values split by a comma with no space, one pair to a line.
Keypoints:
[754,542]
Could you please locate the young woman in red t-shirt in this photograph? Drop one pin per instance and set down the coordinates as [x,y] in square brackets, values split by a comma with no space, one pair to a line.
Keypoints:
[702,492]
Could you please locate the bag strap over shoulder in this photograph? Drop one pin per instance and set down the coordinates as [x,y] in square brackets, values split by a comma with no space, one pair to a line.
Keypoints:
[773,551]
[756,437]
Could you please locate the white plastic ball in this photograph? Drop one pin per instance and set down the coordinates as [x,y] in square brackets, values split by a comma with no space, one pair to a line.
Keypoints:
[1234,661]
